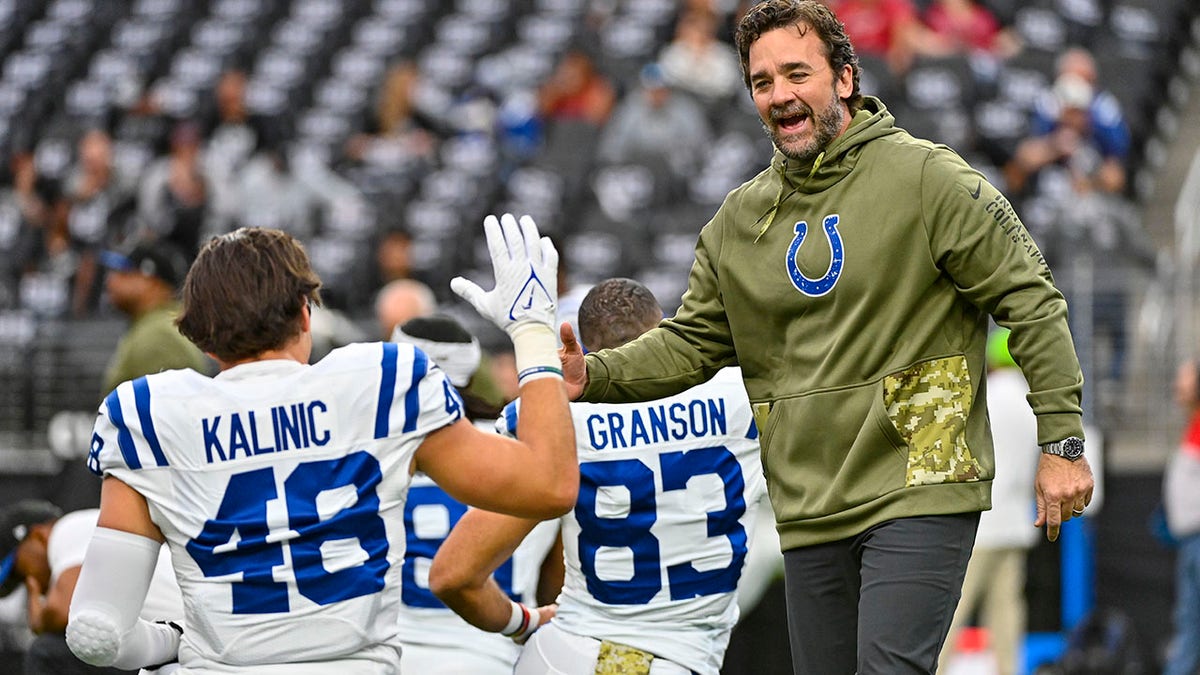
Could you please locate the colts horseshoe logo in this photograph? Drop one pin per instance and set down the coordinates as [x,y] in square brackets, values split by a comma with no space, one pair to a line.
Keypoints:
[815,288]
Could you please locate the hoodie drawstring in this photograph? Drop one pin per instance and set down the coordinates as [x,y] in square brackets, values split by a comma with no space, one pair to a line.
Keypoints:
[780,197]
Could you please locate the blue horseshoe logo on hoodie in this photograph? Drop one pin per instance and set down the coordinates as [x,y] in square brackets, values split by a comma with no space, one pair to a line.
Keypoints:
[815,288]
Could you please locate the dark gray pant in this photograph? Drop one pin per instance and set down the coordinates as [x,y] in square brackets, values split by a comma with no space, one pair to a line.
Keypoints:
[878,603]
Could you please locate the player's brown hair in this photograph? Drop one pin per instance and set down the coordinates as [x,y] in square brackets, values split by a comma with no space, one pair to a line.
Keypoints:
[244,293]
[805,15]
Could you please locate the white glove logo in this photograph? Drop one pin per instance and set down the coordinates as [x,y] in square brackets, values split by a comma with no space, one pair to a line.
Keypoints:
[530,292]
[521,260]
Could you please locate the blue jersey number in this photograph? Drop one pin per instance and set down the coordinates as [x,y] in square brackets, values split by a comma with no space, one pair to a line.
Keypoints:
[632,531]
[236,540]
[418,548]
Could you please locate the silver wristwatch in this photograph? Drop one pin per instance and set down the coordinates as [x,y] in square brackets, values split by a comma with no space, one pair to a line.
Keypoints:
[1068,448]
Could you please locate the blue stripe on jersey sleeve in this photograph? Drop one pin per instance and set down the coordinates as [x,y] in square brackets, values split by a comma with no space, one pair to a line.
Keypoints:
[753,432]
[387,389]
[510,418]
[141,397]
[124,438]
[412,397]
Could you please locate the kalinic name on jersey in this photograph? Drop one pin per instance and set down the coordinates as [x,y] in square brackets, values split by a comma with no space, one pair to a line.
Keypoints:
[246,433]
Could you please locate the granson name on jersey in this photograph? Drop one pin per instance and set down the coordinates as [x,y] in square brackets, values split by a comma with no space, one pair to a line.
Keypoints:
[633,426]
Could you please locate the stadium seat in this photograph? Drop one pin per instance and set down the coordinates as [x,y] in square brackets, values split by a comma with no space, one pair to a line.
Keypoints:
[942,82]
[1023,77]
[999,125]
[1041,27]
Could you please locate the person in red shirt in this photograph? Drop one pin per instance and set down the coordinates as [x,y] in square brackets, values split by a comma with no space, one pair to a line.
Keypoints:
[890,29]
[965,26]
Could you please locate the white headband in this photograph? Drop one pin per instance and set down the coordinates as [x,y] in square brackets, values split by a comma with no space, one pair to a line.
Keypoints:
[460,360]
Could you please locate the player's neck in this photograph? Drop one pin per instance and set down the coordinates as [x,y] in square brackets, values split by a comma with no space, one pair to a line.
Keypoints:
[297,349]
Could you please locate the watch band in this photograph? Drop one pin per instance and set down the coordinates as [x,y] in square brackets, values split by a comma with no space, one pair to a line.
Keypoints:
[1070,448]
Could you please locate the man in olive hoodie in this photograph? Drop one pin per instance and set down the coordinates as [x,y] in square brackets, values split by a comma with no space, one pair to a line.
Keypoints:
[852,281]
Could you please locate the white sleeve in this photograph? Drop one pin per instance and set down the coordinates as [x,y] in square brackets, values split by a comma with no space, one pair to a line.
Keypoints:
[103,628]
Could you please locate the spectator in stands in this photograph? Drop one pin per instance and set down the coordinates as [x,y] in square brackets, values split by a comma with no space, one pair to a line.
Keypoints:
[889,29]
[401,300]
[231,139]
[26,235]
[100,198]
[1071,174]
[1076,114]
[285,187]
[725,12]
[399,133]
[968,27]
[43,549]
[576,90]
[143,284]
[173,198]
[235,133]
[658,125]
[393,255]
[697,62]
[995,581]
[1181,502]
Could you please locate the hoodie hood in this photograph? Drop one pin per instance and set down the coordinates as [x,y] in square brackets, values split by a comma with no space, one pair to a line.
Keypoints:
[834,163]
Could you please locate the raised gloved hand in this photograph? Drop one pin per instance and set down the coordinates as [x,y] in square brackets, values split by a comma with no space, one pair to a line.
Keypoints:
[524,302]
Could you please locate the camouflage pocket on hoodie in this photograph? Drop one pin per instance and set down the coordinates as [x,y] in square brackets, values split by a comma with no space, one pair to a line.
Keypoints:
[928,404]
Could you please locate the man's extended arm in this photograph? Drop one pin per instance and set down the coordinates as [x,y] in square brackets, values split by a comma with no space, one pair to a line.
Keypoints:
[977,238]
[682,352]
[461,574]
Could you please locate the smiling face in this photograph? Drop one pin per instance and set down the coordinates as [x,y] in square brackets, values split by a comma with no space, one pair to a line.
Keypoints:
[799,97]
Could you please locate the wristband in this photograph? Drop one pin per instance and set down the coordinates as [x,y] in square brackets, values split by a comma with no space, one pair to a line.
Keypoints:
[522,623]
[519,620]
[535,349]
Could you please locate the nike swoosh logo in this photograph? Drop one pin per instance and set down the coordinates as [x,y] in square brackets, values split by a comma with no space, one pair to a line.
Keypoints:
[978,189]
[530,303]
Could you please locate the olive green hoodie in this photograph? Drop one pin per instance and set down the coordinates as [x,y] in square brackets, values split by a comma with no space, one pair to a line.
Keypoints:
[855,295]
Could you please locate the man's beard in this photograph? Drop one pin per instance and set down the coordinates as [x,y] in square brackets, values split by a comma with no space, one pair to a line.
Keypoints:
[826,125]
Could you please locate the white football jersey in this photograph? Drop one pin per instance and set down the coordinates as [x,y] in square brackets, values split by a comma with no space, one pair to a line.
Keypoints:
[435,639]
[280,489]
[668,497]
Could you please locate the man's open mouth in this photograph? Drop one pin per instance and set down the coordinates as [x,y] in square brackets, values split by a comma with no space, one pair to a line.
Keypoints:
[791,122]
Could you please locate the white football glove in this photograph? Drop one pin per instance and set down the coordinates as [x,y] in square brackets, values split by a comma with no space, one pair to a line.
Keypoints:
[524,302]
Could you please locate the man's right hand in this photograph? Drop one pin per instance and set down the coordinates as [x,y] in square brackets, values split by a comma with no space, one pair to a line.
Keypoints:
[573,367]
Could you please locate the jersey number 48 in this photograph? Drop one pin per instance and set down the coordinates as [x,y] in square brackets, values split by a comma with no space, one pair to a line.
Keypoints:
[238,539]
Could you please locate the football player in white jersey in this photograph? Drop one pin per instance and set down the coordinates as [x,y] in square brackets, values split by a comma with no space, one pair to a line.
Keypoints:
[656,543]
[279,486]
[437,641]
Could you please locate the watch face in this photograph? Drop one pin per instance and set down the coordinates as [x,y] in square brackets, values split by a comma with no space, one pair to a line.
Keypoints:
[1072,448]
